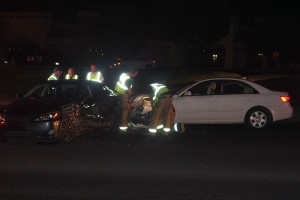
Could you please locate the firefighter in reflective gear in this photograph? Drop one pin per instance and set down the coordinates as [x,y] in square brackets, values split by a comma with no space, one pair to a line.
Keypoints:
[124,91]
[94,75]
[55,75]
[161,109]
[71,74]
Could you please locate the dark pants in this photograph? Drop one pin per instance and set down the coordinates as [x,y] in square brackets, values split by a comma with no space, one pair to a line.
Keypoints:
[125,109]
[162,110]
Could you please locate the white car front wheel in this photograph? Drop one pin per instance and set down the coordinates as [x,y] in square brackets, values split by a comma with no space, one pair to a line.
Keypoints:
[178,128]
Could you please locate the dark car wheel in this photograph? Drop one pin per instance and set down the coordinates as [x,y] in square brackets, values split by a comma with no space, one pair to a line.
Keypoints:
[258,118]
[66,129]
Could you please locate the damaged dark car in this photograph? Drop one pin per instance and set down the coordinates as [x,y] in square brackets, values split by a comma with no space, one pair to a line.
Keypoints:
[59,110]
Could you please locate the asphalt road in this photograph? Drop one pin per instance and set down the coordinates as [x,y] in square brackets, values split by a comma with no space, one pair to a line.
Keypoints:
[207,162]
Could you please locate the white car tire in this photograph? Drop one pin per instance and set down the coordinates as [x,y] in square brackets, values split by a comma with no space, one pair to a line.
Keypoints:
[258,118]
[178,128]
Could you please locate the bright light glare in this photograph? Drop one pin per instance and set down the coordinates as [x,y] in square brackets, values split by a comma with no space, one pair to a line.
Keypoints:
[160,126]
[175,127]
[285,98]
[55,115]
[215,57]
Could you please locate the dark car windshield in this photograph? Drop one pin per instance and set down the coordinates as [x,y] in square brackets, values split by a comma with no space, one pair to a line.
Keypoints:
[49,91]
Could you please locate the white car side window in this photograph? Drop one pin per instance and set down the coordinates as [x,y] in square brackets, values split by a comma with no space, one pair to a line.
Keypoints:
[236,87]
[204,88]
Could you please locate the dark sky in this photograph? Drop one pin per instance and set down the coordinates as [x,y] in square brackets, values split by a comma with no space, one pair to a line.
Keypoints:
[153,11]
[163,18]
[251,8]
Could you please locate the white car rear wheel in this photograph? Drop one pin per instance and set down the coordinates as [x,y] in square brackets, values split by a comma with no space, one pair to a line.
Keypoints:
[258,118]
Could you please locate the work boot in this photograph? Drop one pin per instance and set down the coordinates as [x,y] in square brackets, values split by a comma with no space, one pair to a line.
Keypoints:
[152,131]
[166,131]
[123,129]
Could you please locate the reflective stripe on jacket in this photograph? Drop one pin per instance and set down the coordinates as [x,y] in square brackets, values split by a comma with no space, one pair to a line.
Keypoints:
[121,87]
[75,77]
[52,78]
[95,77]
[159,89]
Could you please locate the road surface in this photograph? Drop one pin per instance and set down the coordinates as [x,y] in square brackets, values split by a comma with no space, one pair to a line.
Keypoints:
[207,162]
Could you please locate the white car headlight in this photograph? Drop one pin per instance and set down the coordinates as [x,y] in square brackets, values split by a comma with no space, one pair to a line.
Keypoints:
[47,117]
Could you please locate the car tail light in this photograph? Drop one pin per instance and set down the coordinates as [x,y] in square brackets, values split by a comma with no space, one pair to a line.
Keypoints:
[285,98]
[2,120]
[153,61]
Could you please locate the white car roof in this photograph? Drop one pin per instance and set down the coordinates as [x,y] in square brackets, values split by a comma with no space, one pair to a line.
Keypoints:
[259,88]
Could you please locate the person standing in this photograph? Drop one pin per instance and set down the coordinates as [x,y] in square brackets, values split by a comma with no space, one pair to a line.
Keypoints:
[55,75]
[161,108]
[124,91]
[71,74]
[94,75]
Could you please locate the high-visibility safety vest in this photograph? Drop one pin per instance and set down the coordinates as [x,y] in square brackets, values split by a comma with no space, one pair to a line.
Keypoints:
[95,77]
[121,87]
[68,77]
[158,89]
[52,78]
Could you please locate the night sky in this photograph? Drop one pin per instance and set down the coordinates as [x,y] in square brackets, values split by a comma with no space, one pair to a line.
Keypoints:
[246,8]
[175,20]
[148,11]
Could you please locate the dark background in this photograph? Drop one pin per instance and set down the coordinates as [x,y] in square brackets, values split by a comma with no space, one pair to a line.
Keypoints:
[122,27]
[168,19]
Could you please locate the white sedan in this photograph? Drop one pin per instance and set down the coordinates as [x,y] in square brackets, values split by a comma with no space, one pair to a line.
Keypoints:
[230,101]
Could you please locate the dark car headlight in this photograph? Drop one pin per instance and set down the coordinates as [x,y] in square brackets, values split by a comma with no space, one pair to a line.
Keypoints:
[51,116]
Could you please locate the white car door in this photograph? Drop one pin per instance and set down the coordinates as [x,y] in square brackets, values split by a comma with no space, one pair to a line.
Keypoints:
[234,99]
[195,105]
